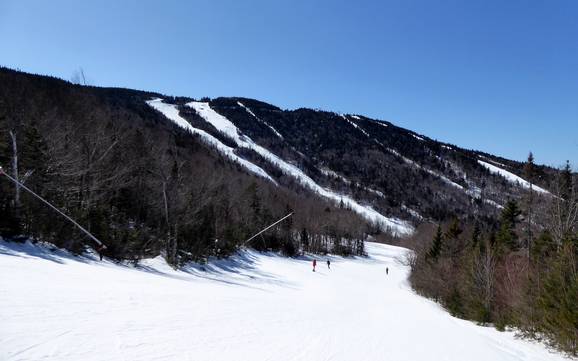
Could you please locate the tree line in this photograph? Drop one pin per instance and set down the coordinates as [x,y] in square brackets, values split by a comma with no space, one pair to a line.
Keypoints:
[521,271]
[141,184]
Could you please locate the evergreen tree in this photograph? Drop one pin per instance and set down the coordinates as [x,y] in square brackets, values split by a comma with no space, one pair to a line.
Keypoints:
[255,204]
[558,301]
[305,239]
[566,182]
[454,230]
[529,173]
[453,244]
[507,236]
[476,233]
[543,248]
[437,244]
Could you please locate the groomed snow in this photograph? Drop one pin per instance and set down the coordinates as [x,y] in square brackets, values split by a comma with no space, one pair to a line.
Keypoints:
[251,307]
[511,177]
[225,126]
[172,113]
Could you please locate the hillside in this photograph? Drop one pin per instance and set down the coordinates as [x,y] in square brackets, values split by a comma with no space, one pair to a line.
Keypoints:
[151,173]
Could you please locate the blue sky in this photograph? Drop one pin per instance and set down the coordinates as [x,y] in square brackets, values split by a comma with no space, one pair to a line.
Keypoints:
[498,76]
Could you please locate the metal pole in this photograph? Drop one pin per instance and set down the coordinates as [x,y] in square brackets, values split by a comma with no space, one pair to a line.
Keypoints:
[53,207]
[264,229]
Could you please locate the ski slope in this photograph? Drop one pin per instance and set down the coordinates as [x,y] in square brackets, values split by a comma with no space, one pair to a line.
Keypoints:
[251,307]
[228,128]
[511,177]
[225,126]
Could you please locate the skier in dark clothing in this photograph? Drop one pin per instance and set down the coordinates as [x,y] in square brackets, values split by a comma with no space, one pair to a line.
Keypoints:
[100,250]
[386,270]
[314,264]
[329,264]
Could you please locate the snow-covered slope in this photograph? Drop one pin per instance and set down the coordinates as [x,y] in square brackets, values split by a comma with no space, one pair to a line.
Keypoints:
[251,307]
[511,177]
[225,126]
[172,112]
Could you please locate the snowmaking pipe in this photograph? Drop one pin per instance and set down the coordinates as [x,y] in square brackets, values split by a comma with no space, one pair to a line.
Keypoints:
[266,228]
[2,172]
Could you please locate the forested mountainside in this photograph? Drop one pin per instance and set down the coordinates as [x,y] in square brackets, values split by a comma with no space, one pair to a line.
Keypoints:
[153,174]
[493,240]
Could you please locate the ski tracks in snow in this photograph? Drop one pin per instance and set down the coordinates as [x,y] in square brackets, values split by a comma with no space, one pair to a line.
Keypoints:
[252,307]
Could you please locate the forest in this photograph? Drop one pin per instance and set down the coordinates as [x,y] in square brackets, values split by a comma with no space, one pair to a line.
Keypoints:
[520,271]
[140,184]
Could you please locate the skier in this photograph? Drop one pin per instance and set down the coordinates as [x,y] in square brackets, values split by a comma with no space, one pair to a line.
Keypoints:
[386,270]
[100,250]
[329,264]
[314,264]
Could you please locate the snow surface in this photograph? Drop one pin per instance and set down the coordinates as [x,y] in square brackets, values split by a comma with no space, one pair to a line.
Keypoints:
[172,112]
[511,177]
[383,124]
[251,307]
[226,127]
[259,119]
[330,173]
[355,125]
[417,165]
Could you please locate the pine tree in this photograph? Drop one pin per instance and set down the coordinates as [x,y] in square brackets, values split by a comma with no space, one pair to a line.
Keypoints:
[529,173]
[305,239]
[507,237]
[437,244]
[476,233]
[255,204]
[558,301]
[454,231]
[566,182]
[454,245]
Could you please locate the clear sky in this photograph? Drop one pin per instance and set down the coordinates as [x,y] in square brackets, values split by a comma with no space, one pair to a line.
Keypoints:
[499,76]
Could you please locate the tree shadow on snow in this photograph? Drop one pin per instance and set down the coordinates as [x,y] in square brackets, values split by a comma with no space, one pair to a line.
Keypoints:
[40,250]
[242,269]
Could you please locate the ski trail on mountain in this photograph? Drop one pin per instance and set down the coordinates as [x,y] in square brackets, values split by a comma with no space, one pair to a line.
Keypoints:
[251,307]
[228,128]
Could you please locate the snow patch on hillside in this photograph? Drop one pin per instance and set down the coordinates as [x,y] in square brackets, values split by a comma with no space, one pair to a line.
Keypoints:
[172,113]
[493,203]
[355,125]
[413,212]
[333,174]
[511,177]
[225,126]
[260,120]
[382,124]
[419,166]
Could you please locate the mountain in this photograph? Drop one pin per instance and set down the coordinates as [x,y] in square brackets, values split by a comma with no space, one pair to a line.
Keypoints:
[150,173]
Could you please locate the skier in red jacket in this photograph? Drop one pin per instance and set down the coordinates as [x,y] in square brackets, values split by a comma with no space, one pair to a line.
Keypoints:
[314,264]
